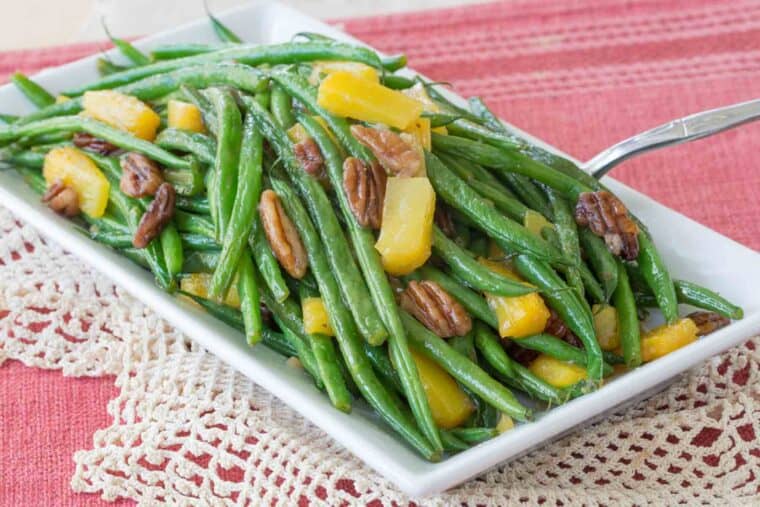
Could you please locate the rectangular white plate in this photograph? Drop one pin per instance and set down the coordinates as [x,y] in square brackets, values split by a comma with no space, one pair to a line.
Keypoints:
[691,251]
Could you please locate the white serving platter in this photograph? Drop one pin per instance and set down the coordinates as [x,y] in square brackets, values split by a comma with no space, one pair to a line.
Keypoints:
[691,250]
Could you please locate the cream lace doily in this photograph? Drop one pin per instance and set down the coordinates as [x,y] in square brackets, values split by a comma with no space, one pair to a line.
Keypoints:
[188,429]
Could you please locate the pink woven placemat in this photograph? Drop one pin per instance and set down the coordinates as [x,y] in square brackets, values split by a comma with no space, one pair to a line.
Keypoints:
[580,75]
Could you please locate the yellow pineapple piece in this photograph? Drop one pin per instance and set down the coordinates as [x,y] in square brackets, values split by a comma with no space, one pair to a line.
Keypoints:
[77,171]
[121,111]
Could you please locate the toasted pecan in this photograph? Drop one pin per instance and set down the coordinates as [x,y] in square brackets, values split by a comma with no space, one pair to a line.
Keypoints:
[607,217]
[396,155]
[708,322]
[159,213]
[282,235]
[94,144]
[429,303]
[62,199]
[364,186]
[140,176]
[308,155]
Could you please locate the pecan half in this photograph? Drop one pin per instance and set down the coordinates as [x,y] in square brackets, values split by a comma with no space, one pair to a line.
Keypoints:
[555,326]
[282,235]
[140,176]
[443,220]
[607,217]
[364,186]
[94,144]
[308,155]
[396,155]
[708,322]
[435,308]
[62,199]
[159,213]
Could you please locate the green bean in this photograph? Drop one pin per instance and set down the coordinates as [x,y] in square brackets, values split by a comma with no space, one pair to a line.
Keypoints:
[171,245]
[567,232]
[491,349]
[396,82]
[221,31]
[509,161]
[266,262]
[393,63]
[36,94]
[439,119]
[184,49]
[600,259]
[485,415]
[234,75]
[198,242]
[304,354]
[558,349]
[657,277]
[513,372]
[200,145]
[200,262]
[627,317]
[345,329]
[8,118]
[248,54]
[470,270]
[476,131]
[568,305]
[692,294]
[493,190]
[282,107]
[451,443]
[509,234]
[192,223]
[529,193]
[338,252]
[474,436]
[463,370]
[208,113]
[132,54]
[106,67]
[195,204]
[473,302]
[272,339]
[227,157]
[377,281]
[187,182]
[479,108]
[445,103]
[106,132]
[29,159]
[381,364]
[247,197]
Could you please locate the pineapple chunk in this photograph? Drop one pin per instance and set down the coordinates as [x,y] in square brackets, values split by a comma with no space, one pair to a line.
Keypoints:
[185,116]
[449,404]
[407,229]
[121,111]
[555,372]
[535,222]
[359,69]
[315,318]
[345,94]
[420,129]
[77,171]
[606,326]
[505,423]
[665,339]
[518,316]
[198,285]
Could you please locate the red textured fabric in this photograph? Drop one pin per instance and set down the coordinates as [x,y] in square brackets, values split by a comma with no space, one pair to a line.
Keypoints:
[581,75]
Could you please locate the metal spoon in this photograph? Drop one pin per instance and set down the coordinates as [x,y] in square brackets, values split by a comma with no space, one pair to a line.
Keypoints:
[689,128]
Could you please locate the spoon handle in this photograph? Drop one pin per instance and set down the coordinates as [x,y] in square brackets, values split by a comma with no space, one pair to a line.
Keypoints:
[678,131]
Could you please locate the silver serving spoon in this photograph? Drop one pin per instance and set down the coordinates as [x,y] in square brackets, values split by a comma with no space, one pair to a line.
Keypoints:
[689,128]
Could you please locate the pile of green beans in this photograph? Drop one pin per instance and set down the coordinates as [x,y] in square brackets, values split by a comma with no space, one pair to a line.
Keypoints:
[491,180]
